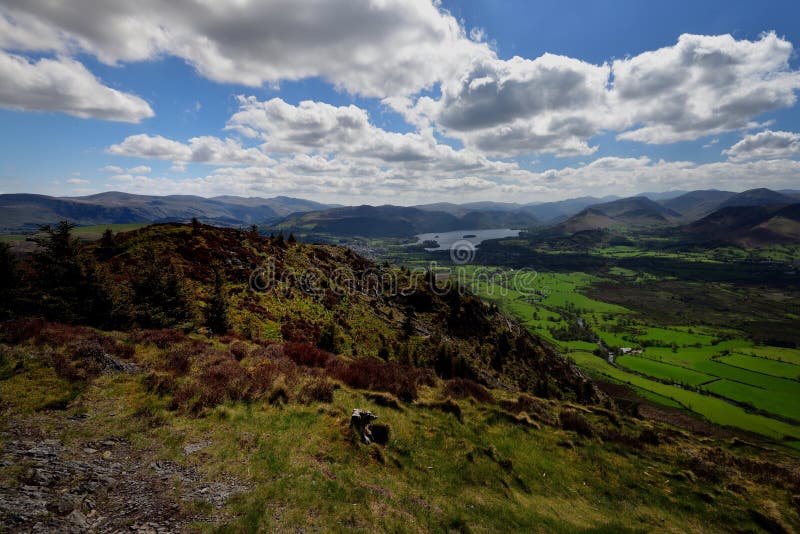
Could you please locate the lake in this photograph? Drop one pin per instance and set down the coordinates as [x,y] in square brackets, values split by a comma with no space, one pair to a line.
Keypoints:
[476,237]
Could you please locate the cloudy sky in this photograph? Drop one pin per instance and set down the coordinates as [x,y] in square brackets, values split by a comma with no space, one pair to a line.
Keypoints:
[398,101]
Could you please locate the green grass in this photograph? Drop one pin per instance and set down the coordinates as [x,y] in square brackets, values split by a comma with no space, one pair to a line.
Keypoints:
[666,336]
[664,371]
[763,365]
[713,409]
[775,353]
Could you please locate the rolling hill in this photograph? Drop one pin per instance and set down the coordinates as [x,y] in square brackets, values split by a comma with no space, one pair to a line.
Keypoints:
[632,212]
[697,204]
[399,221]
[757,197]
[751,226]
[26,212]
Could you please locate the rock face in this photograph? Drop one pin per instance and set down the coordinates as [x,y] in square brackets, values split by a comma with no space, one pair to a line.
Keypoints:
[360,421]
[105,486]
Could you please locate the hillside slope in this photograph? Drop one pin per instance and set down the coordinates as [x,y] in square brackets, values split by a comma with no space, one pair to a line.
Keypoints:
[142,429]
[750,226]
[697,204]
[633,212]
[399,221]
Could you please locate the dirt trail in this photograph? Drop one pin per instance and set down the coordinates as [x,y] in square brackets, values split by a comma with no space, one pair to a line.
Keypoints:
[99,486]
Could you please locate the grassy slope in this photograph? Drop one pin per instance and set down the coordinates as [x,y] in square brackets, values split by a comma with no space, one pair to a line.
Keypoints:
[485,474]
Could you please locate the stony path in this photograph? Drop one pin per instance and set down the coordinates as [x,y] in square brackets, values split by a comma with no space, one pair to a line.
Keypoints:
[105,486]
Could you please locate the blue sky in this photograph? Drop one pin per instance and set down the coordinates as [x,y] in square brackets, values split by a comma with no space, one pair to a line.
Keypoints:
[400,101]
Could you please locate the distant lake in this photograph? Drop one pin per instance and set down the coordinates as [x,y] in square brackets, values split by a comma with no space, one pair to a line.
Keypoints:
[476,237]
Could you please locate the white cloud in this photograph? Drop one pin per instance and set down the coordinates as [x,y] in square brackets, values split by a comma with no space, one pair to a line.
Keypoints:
[703,85]
[205,149]
[319,128]
[113,168]
[64,85]
[370,47]
[77,181]
[141,169]
[549,104]
[766,144]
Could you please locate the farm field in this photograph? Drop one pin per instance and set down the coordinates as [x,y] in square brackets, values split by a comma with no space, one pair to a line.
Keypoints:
[713,371]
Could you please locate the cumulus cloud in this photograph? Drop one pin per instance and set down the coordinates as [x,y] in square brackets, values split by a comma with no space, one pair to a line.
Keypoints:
[65,85]
[766,144]
[392,49]
[77,181]
[703,85]
[317,127]
[205,149]
[549,104]
[369,47]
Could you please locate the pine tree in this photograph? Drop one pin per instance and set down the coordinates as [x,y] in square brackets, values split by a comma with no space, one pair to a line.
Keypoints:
[9,281]
[59,279]
[217,312]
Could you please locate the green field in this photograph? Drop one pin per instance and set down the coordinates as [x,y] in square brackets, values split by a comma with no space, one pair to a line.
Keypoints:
[759,384]
[764,365]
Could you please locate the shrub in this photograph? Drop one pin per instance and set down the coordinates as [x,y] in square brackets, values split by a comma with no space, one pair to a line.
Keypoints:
[317,390]
[531,406]
[462,388]
[370,373]
[82,360]
[19,330]
[162,338]
[239,350]
[178,359]
[159,383]
[306,354]
[219,380]
[575,421]
[263,376]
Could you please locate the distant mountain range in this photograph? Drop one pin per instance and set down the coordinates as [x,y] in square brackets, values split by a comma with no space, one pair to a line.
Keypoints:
[754,216]
[26,212]
[398,221]
[633,212]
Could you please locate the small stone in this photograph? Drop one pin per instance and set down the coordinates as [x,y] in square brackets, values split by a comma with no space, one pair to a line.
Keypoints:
[89,450]
[107,455]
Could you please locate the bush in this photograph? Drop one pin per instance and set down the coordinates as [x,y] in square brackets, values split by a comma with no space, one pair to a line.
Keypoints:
[316,390]
[462,388]
[82,360]
[368,373]
[262,377]
[162,338]
[575,421]
[306,354]
[239,350]
[19,330]
[219,380]
[178,360]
